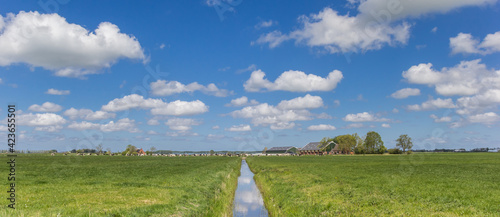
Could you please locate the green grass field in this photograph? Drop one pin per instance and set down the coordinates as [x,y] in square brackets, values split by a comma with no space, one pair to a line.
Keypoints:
[122,186]
[462,184]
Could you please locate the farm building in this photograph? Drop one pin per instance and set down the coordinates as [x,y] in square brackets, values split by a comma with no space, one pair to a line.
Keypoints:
[281,150]
[311,148]
[315,148]
[335,149]
[141,152]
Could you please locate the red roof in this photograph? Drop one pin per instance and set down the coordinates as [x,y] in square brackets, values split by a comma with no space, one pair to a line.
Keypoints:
[141,152]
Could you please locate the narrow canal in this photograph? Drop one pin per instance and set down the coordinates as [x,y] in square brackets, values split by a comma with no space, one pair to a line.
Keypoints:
[248,200]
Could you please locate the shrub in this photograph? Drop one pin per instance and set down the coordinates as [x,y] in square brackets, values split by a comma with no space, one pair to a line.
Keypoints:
[409,152]
[381,150]
[359,150]
[395,151]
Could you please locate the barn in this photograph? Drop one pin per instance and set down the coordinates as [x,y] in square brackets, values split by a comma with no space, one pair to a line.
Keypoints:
[335,149]
[281,150]
[315,148]
[311,148]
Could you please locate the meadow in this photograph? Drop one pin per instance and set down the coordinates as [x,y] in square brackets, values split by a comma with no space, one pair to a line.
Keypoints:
[432,184]
[123,186]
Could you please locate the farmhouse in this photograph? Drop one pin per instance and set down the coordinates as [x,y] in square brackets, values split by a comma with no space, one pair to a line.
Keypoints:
[316,148]
[141,152]
[281,150]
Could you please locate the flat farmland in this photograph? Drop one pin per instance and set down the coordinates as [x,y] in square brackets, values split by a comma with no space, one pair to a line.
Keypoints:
[123,186]
[461,184]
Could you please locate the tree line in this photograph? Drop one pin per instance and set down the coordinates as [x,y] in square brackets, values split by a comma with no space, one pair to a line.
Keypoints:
[371,143]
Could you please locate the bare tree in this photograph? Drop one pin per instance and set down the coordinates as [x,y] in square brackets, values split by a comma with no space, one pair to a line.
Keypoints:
[99,148]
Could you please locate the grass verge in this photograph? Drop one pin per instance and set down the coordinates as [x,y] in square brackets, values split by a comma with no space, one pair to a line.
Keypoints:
[123,186]
[380,185]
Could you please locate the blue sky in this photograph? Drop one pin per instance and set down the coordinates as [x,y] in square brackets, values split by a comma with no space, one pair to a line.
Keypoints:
[244,75]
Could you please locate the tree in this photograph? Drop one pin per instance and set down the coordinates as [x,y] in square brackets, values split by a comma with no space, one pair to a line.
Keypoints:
[404,142]
[382,149]
[212,152]
[130,149]
[360,148]
[152,149]
[99,148]
[109,151]
[373,143]
[346,143]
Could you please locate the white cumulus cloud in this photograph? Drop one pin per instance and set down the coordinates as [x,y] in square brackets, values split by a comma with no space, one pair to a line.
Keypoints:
[265,114]
[164,88]
[282,125]
[478,103]
[242,101]
[157,106]
[239,128]
[265,24]
[294,81]
[340,33]
[53,91]
[153,122]
[477,86]
[181,124]
[433,104]
[486,118]
[124,124]
[440,119]
[321,127]
[466,78]
[306,102]
[363,117]
[133,101]
[88,114]
[50,42]
[466,44]
[283,115]
[49,122]
[378,23]
[45,107]
[180,108]
[84,125]
[405,93]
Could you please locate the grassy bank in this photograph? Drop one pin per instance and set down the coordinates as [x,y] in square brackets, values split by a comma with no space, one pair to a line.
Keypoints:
[390,185]
[123,186]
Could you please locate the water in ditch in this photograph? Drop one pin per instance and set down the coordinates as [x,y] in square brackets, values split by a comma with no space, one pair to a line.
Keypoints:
[248,200]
